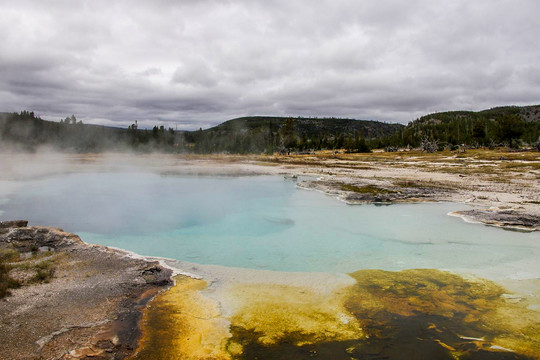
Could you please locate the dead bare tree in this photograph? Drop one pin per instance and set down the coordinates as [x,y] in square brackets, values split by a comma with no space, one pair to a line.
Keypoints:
[429,146]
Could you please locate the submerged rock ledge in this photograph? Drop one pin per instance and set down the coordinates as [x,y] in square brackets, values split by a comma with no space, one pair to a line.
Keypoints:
[71,300]
[377,192]
[510,219]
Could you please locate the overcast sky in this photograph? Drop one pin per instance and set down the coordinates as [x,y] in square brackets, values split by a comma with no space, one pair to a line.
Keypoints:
[195,63]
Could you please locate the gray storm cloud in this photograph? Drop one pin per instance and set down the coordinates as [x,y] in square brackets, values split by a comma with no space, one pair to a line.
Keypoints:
[197,63]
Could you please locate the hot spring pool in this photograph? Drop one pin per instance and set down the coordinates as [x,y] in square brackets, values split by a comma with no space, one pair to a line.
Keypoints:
[264,222]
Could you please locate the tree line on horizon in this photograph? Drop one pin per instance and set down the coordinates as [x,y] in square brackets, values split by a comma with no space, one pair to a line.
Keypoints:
[509,126]
[506,126]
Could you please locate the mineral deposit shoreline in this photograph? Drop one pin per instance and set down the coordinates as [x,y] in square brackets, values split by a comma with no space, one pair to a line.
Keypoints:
[91,305]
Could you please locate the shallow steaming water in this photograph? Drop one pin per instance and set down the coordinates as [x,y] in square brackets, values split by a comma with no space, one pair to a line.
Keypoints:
[263,222]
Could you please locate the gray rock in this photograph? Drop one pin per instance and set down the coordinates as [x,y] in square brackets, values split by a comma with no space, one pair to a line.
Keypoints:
[504,218]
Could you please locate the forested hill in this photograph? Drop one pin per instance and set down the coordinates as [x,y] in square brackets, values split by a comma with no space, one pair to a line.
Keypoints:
[270,134]
[501,126]
[308,126]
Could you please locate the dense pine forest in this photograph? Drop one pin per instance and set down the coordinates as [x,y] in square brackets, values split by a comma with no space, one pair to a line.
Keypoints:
[512,126]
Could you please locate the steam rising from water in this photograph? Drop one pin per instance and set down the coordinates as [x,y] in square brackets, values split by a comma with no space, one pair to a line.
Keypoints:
[128,203]
[252,222]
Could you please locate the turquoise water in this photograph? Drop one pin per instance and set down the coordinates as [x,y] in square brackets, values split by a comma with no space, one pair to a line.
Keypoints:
[260,222]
